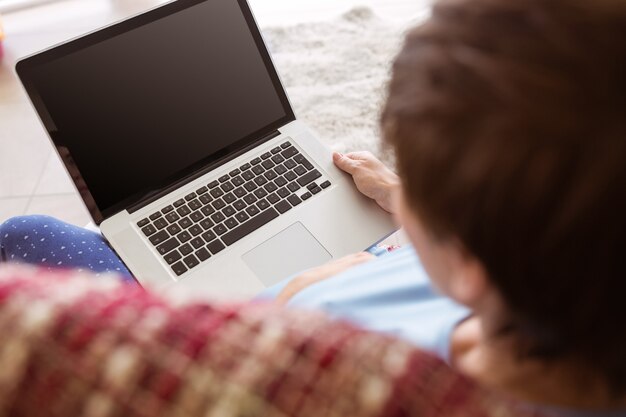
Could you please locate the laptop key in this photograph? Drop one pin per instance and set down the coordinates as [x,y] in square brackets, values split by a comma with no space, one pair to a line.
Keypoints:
[283,207]
[273,198]
[250,199]
[185,222]
[325,184]
[142,223]
[277,159]
[220,229]
[218,204]
[231,223]
[311,186]
[239,205]
[291,164]
[289,152]
[290,176]
[260,193]
[293,187]
[196,216]
[280,181]
[252,211]
[216,247]
[213,184]
[179,203]
[262,204]
[179,268]
[224,178]
[270,187]
[209,236]
[275,150]
[266,155]
[183,236]
[217,192]
[294,200]
[316,190]
[234,173]
[195,204]
[270,175]
[311,176]
[237,181]
[285,145]
[258,170]
[280,169]
[155,216]
[197,242]
[205,199]
[168,246]
[159,238]
[228,211]
[207,224]
[195,230]
[167,209]
[186,249]
[306,196]
[260,181]
[268,164]
[242,217]
[240,192]
[173,229]
[256,161]
[283,192]
[202,190]
[191,261]
[227,186]
[245,167]
[218,217]
[149,230]
[250,186]
[190,197]
[207,210]
[183,211]
[172,217]
[248,175]
[300,170]
[160,223]
[202,254]
[250,226]
[229,198]
[172,257]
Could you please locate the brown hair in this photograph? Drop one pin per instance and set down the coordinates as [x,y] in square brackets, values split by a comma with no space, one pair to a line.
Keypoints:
[508,118]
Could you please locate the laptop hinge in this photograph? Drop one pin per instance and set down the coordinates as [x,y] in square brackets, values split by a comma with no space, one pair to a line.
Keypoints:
[152,197]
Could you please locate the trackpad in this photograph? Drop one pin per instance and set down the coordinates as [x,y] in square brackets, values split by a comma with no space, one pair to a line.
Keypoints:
[291,251]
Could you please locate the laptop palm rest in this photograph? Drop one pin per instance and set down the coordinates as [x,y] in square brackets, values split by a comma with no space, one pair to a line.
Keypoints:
[291,251]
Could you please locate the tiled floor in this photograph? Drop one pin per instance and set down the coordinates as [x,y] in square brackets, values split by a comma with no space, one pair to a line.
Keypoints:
[32,180]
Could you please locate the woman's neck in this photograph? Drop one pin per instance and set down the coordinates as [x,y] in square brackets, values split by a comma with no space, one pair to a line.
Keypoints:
[494,362]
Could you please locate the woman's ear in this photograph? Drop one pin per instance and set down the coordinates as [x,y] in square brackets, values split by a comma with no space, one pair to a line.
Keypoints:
[468,283]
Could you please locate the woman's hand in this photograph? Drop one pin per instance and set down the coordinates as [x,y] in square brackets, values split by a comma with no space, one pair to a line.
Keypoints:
[372,177]
[315,275]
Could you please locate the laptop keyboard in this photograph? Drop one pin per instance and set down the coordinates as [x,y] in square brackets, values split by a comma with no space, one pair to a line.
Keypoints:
[203,223]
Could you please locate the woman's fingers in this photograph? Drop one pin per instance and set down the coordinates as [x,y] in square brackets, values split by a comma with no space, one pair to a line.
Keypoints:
[344,163]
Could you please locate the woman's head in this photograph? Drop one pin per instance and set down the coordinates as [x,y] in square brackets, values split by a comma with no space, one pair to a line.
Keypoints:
[508,118]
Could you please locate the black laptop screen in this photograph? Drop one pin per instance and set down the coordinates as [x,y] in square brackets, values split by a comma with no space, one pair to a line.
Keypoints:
[141,104]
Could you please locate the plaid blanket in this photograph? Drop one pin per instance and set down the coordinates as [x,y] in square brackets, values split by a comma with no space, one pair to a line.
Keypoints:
[76,346]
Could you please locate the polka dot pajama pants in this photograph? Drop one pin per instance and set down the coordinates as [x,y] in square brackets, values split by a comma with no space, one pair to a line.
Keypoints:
[48,242]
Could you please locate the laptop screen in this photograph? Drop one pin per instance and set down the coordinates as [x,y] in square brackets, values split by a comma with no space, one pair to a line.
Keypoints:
[147,102]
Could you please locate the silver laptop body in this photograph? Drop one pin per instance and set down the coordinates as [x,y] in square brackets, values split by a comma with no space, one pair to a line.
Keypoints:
[247,215]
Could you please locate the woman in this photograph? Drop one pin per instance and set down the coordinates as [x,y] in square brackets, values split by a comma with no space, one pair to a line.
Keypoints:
[507,120]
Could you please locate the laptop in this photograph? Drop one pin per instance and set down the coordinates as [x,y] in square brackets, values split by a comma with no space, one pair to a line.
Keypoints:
[180,138]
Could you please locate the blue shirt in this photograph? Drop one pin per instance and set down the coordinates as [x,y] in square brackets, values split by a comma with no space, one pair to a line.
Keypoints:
[390,294]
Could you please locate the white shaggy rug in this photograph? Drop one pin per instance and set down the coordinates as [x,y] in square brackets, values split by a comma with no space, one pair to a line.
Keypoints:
[335,73]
